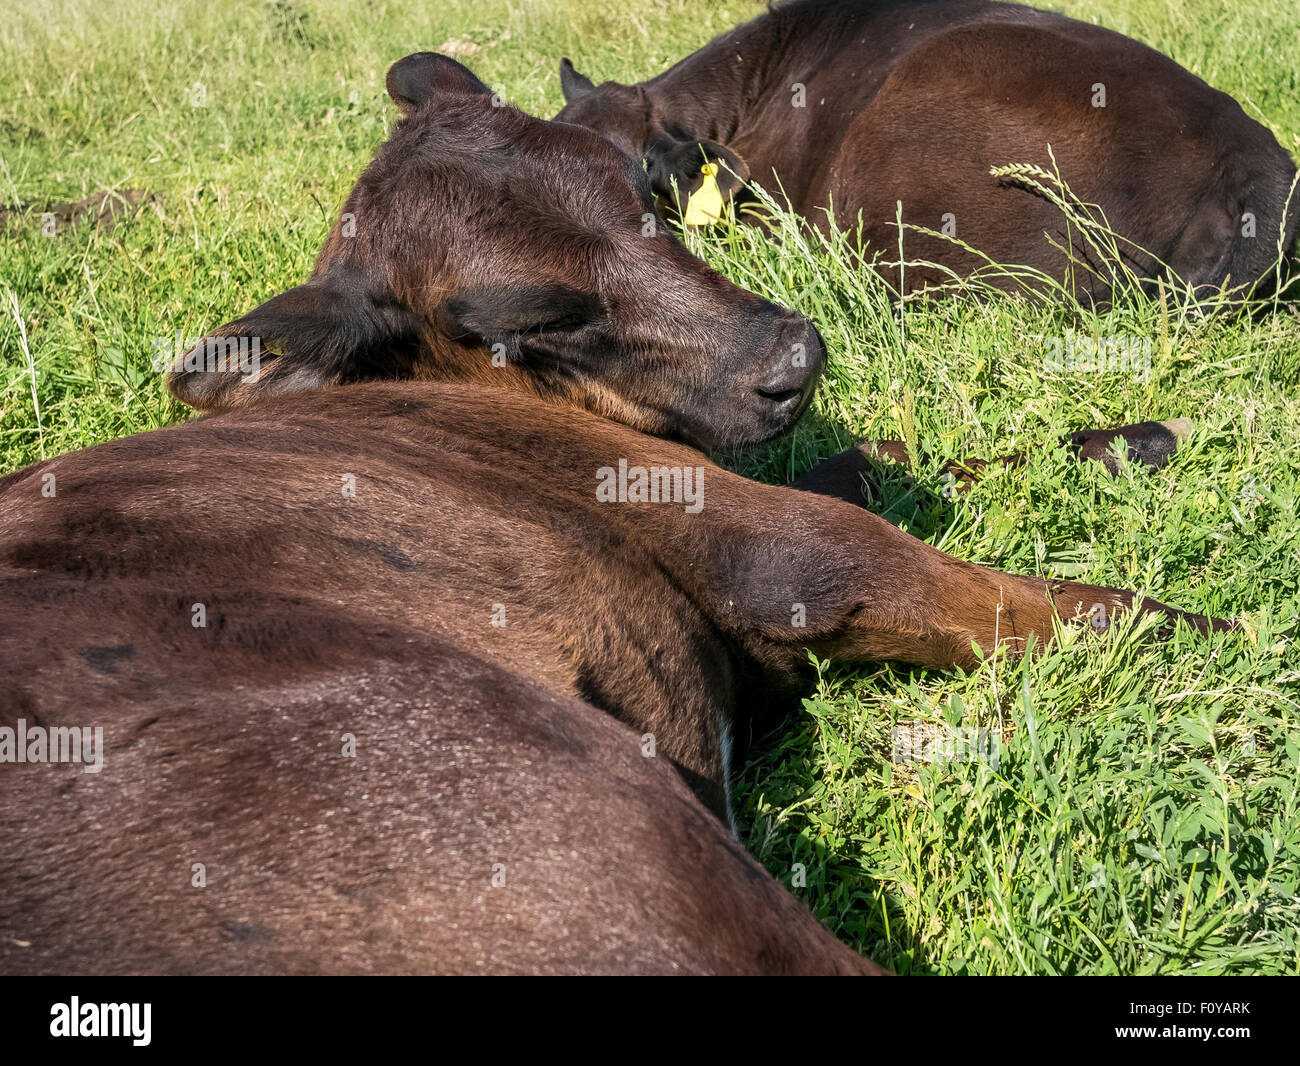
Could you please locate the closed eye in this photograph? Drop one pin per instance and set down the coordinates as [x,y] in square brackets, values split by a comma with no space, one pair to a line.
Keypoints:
[496,312]
[563,324]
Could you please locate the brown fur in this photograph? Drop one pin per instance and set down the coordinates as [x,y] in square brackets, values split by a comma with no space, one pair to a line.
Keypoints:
[916,101]
[480,230]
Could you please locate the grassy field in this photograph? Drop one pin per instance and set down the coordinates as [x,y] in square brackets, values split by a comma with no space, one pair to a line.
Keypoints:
[1143,811]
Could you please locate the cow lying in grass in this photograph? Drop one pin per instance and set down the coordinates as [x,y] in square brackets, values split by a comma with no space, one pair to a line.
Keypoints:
[451,674]
[857,105]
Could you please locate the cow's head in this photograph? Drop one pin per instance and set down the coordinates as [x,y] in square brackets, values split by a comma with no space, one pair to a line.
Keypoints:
[483,244]
[631,117]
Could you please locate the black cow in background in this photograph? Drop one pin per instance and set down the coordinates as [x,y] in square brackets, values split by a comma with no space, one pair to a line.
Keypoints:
[859,104]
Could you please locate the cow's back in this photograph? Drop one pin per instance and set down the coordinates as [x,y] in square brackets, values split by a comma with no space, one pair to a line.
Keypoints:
[302,770]
[916,102]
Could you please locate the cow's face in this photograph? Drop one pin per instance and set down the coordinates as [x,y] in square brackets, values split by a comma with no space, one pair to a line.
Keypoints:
[486,245]
[633,120]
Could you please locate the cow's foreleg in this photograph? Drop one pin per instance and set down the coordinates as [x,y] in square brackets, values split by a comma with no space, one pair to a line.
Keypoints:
[818,574]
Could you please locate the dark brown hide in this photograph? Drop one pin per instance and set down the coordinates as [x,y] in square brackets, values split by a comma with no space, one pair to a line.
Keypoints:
[916,101]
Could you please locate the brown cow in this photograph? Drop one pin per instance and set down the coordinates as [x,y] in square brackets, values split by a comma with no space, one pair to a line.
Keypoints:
[465,252]
[448,675]
[860,104]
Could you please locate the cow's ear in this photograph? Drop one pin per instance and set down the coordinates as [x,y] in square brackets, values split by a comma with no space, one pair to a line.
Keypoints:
[680,162]
[329,331]
[573,85]
[412,82]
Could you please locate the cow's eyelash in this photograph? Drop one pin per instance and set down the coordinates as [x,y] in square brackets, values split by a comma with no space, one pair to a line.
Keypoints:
[559,325]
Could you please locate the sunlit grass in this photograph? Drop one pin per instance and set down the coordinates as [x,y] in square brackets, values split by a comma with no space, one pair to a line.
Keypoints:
[1146,822]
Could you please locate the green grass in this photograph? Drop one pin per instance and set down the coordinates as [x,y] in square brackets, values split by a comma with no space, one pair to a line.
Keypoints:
[1142,816]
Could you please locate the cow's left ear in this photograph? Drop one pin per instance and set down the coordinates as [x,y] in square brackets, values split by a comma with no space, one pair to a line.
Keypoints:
[414,81]
[681,162]
[573,85]
[332,330]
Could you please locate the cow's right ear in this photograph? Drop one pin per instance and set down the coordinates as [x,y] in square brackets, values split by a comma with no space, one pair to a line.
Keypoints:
[573,85]
[412,82]
[329,331]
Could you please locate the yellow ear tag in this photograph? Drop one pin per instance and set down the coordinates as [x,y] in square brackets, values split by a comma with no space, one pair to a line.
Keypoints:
[704,207]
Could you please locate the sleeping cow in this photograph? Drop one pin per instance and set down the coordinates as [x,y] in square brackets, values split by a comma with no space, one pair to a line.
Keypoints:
[857,105]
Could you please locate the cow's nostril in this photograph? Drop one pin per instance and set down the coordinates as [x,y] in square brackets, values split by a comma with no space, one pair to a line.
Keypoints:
[790,381]
[780,395]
